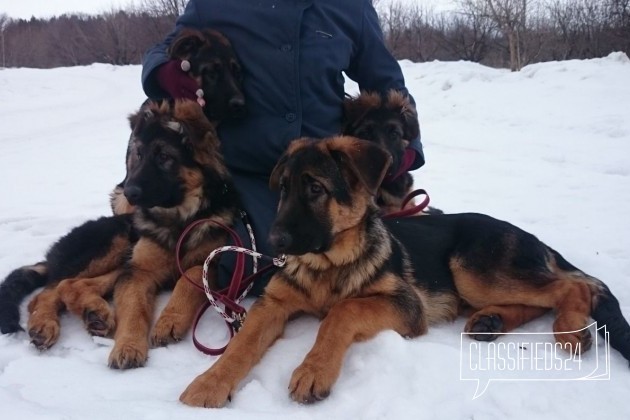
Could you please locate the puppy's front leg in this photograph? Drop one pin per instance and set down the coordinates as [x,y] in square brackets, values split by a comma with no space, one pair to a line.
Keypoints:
[179,314]
[264,324]
[350,320]
[134,300]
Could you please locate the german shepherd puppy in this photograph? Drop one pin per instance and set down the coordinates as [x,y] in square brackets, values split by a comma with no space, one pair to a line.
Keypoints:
[362,275]
[215,67]
[175,176]
[97,248]
[390,121]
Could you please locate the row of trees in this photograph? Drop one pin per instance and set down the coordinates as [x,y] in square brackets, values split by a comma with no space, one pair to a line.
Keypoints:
[115,37]
[509,33]
[500,33]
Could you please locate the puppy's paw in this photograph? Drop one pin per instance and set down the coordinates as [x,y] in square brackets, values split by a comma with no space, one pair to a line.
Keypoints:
[44,334]
[10,326]
[570,331]
[169,329]
[484,324]
[310,383]
[128,355]
[207,390]
[99,321]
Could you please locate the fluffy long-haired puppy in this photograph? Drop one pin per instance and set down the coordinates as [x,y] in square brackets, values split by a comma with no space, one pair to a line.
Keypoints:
[391,121]
[96,248]
[361,275]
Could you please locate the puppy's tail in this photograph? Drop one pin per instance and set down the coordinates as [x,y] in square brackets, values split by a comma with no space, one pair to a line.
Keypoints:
[606,311]
[605,308]
[15,287]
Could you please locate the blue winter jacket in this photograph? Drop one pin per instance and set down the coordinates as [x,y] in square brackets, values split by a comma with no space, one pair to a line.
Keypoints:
[293,54]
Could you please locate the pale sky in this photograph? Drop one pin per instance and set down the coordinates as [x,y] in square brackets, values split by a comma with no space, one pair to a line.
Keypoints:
[48,8]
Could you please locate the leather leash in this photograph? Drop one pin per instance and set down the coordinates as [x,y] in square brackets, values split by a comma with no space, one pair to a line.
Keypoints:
[233,313]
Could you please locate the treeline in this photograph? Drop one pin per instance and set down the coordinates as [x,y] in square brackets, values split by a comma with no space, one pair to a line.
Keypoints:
[498,33]
[115,37]
[508,33]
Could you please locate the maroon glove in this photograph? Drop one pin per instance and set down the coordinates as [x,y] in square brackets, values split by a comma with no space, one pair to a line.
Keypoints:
[176,82]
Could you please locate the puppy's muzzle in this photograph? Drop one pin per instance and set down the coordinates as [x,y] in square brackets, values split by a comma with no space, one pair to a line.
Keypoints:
[236,105]
[280,241]
[133,193]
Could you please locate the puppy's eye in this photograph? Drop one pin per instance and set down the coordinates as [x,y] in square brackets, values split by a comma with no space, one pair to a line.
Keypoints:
[138,155]
[236,70]
[394,133]
[315,188]
[212,75]
[212,72]
[163,158]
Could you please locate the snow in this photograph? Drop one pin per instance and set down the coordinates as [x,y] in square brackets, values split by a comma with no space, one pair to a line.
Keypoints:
[546,149]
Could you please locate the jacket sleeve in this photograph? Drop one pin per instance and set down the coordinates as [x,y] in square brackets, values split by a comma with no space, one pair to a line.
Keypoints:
[375,69]
[158,54]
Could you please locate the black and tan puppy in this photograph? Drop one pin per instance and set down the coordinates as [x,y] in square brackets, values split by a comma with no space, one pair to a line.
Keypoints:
[390,121]
[92,252]
[175,176]
[215,67]
[361,275]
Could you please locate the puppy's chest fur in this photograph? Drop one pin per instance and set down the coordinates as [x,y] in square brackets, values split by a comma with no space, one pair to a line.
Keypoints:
[360,269]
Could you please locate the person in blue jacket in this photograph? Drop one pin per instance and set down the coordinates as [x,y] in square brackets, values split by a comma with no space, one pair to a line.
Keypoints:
[294,54]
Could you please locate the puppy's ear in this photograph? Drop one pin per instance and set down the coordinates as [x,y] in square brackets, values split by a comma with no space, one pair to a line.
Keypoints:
[352,112]
[408,115]
[410,121]
[274,179]
[135,120]
[276,173]
[186,44]
[138,119]
[367,161]
[356,108]
[196,132]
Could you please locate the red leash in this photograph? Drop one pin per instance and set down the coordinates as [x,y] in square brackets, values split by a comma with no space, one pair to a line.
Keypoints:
[403,212]
[231,296]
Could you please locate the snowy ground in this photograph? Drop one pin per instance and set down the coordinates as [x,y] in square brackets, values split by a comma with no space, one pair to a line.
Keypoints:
[546,149]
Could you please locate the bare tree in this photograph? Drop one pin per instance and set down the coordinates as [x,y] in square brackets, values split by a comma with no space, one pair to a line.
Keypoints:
[493,32]
[113,38]
[510,17]
[620,18]
[171,8]
[564,21]
[466,32]
[409,30]
[394,19]
[68,40]
[4,22]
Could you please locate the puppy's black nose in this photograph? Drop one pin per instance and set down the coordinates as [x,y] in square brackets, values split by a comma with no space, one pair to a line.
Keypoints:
[280,241]
[133,193]
[236,106]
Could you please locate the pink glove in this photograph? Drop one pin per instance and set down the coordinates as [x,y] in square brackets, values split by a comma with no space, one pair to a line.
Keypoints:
[176,82]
